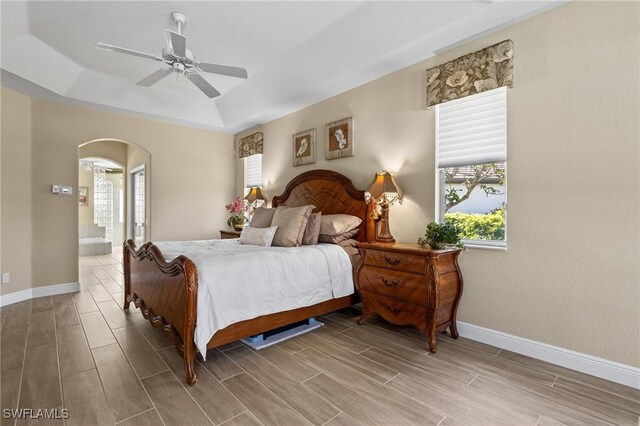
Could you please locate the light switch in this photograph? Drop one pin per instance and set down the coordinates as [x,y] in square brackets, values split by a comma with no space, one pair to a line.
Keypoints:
[55,189]
[66,190]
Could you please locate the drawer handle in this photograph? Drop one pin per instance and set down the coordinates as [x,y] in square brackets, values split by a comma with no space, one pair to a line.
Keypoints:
[391,283]
[392,261]
[391,309]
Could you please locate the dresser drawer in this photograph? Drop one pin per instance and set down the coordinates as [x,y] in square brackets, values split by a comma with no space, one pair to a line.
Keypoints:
[395,311]
[399,261]
[396,284]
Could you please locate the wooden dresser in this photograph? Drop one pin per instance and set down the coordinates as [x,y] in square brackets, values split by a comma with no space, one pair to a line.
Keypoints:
[406,284]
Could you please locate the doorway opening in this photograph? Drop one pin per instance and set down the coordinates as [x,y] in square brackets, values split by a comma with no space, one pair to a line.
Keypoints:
[113,196]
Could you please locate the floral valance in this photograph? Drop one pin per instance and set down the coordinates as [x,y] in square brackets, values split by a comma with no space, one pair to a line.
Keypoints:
[476,72]
[250,145]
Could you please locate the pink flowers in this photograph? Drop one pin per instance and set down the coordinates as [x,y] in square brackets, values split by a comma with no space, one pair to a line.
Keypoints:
[238,206]
[237,210]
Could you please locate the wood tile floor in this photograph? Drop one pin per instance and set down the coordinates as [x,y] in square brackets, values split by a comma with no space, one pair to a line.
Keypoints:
[82,352]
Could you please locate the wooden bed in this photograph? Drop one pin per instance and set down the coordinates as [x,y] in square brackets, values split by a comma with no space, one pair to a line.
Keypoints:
[166,292]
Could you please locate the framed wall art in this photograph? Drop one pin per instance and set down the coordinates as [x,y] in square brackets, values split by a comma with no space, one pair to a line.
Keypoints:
[304,148]
[83,196]
[339,139]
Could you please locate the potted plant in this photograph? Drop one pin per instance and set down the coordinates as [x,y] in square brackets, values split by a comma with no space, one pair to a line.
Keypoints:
[237,209]
[441,236]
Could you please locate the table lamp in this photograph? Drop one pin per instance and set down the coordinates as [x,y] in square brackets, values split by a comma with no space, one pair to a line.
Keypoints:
[255,194]
[384,191]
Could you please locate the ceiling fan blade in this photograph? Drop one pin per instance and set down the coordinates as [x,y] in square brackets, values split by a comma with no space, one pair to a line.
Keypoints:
[223,69]
[202,84]
[155,77]
[177,43]
[127,51]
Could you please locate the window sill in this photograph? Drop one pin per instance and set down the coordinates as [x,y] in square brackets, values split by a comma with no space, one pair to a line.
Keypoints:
[481,246]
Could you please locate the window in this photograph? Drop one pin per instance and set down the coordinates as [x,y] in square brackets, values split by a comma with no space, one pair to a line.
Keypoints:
[253,170]
[471,155]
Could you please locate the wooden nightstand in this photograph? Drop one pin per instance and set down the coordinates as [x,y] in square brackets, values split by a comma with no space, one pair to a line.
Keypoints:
[225,235]
[405,284]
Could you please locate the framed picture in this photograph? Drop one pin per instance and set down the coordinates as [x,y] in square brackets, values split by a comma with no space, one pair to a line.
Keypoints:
[339,139]
[83,196]
[304,148]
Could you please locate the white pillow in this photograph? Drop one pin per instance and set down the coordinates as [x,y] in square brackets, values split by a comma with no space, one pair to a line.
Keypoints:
[258,236]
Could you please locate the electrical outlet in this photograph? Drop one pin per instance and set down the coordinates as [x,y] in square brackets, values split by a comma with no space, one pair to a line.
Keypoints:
[6,277]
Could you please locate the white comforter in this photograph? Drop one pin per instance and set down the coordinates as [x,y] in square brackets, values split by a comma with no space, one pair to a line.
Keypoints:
[237,282]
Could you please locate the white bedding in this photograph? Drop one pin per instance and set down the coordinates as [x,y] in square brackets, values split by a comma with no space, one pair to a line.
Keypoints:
[237,282]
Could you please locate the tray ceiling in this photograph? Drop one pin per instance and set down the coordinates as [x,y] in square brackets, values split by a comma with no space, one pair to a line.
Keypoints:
[296,53]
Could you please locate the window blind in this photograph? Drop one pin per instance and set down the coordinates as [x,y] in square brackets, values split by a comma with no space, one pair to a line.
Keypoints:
[253,170]
[472,130]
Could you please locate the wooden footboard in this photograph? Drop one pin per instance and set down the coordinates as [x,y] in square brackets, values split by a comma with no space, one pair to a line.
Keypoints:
[166,293]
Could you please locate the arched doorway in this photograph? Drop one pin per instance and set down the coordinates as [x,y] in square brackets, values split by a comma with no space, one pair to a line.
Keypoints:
[113,195]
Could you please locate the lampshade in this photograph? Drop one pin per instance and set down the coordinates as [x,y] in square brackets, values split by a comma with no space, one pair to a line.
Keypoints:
[255,194]
[384,189]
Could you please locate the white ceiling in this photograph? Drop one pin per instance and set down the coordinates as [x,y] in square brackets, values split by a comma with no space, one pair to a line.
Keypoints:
[296,53]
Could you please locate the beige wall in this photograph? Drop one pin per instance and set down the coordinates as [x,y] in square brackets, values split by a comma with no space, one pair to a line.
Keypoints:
[16,172]
[192,180]
[570,275]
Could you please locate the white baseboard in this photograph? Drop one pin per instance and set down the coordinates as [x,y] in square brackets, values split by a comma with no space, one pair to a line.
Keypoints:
[30,293]
[599,367]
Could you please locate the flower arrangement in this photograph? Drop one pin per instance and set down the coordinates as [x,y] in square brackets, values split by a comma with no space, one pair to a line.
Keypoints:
[237,209]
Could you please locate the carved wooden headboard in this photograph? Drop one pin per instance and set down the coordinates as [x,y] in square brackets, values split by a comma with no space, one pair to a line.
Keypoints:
[331,193]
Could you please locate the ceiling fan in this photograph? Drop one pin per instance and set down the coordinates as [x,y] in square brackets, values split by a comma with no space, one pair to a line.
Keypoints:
[180,60]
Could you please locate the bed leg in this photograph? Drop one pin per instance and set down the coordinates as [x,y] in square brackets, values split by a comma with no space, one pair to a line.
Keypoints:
[189,366]
[126,262]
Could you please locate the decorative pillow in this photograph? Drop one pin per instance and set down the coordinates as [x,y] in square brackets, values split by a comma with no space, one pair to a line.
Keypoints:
[258,236]
[312,231]
[262,217]
[337,239]
[337,224]
[291,223]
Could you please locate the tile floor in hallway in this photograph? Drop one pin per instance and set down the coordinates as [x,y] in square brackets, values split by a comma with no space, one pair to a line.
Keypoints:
[82,352]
